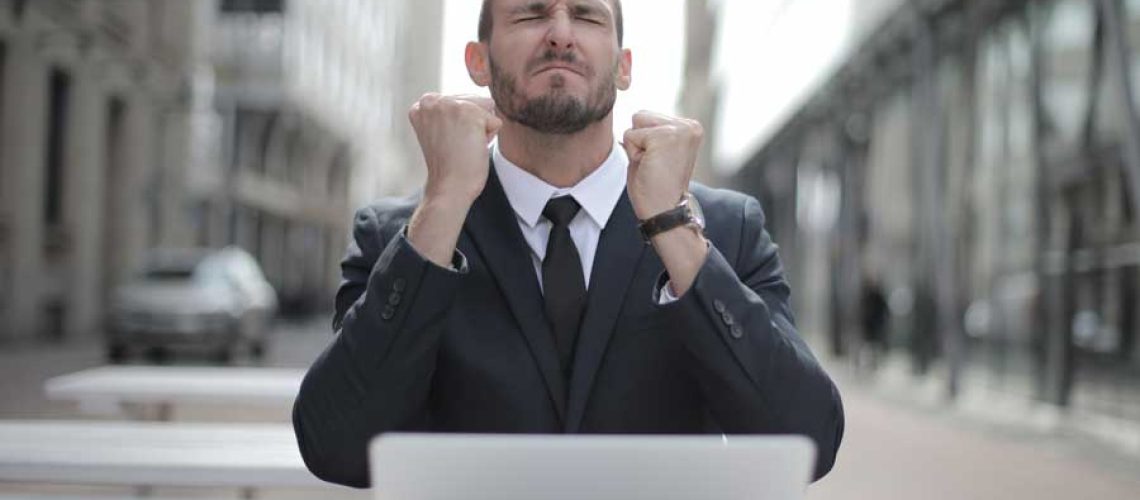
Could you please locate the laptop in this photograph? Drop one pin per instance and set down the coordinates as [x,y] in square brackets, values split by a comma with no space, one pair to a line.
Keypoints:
[561,467]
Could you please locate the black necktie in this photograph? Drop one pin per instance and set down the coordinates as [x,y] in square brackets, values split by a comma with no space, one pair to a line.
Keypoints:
[564,287]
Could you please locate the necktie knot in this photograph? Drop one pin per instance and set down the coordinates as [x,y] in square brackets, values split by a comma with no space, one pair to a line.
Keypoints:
[561,210]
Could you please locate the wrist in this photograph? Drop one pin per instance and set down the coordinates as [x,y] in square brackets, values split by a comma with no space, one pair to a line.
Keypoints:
[683,251]
[435,226]
[684,238]
[447,202]
[647,207]
[451,193]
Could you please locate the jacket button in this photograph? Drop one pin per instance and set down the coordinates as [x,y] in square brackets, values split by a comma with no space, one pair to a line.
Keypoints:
[736,332]
[719,306]
[728,319]
[399,285]
[388,313]
[394,299]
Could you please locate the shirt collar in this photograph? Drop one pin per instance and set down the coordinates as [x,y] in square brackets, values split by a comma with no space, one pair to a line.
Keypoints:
[598,193]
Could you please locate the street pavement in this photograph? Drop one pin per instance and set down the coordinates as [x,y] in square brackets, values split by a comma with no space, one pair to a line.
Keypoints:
[895,450]
[891,449]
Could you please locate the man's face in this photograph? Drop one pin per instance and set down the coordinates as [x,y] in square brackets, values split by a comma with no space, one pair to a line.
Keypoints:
[555,65]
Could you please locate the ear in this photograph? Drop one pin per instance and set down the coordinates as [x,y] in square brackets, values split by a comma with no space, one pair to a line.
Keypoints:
[625,70]
[478,63]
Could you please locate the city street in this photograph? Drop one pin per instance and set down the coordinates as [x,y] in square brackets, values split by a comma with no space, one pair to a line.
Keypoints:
[891,450]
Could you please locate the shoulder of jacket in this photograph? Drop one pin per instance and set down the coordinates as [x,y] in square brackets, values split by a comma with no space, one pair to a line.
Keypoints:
[718,201]
[387,214]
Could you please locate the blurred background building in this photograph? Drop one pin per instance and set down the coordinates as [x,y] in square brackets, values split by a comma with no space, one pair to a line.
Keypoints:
[973,167]
[700,96]
[129,125]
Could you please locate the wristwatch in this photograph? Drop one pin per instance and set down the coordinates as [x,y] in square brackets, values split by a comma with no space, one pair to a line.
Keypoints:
[686,213]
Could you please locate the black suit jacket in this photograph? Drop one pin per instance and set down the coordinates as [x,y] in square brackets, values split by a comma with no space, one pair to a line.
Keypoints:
[422,348]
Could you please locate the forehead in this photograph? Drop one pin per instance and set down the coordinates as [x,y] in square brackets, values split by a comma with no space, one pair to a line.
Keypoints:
[512,6]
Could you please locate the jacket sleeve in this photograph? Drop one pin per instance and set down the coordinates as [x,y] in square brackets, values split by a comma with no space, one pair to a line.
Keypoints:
[376,374]
[756,373]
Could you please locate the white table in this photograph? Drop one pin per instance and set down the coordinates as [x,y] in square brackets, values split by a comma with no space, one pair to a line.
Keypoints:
[109,389]
[153,454]
[35,496]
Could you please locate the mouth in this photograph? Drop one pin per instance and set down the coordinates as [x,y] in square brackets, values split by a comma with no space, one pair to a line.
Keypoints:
[561,67]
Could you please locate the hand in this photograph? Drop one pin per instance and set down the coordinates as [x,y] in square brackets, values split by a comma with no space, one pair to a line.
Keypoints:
[662,154]
[453,132]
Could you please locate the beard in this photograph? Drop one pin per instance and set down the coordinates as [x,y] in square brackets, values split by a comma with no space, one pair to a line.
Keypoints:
[556,111]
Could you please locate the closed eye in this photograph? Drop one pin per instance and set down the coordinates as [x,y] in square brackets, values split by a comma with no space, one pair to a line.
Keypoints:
[589,13]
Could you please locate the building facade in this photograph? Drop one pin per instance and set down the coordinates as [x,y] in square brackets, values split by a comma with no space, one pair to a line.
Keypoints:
[981,161]
[129,125]
[700,93]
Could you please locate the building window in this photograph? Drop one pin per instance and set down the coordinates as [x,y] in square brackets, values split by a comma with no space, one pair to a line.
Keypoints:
[112,222]
[3,168]
[58,92]
[253,6]
[18,8]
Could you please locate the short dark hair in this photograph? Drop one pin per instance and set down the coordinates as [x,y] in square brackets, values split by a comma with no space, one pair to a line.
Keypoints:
[486,23]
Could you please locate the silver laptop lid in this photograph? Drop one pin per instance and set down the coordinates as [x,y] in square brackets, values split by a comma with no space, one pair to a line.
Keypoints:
[557,467]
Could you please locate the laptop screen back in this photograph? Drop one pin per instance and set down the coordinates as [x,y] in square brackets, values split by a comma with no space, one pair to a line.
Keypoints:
[557,467]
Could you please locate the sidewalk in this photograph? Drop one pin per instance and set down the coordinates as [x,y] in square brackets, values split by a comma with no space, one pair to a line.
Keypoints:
[903,443]
[980,403]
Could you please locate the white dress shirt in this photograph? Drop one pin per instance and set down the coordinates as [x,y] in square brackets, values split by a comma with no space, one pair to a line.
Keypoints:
[597,194]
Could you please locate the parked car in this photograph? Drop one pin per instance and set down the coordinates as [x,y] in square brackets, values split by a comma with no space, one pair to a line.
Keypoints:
[195,298]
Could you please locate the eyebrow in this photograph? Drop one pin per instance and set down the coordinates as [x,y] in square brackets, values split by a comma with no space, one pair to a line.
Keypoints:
[539,7]
[530,8]
[581,8]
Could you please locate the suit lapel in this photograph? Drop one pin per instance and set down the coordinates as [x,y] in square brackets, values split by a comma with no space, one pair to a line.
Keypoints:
[620,248]
[492,227]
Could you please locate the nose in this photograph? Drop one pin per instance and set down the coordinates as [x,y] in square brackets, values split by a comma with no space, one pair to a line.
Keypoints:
[561,34]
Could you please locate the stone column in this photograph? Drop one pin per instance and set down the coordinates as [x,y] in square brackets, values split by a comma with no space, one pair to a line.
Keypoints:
[85,156]
[174,228]
[130,234]
[23,131]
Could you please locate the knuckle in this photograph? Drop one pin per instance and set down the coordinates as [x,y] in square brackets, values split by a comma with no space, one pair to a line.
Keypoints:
[466,110]
[696,129]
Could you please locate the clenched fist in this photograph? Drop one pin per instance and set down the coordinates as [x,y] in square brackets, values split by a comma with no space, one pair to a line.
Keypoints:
[662,154]
[453,132]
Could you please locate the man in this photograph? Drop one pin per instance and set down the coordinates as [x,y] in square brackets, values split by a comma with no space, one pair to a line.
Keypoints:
[516,294]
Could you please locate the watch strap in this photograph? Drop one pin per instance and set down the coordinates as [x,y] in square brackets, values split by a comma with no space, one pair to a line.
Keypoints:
[670,219]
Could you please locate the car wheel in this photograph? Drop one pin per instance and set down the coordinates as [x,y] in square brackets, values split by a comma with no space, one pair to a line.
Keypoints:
[257,350]
[224,354]
[158,355]
[117,352]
